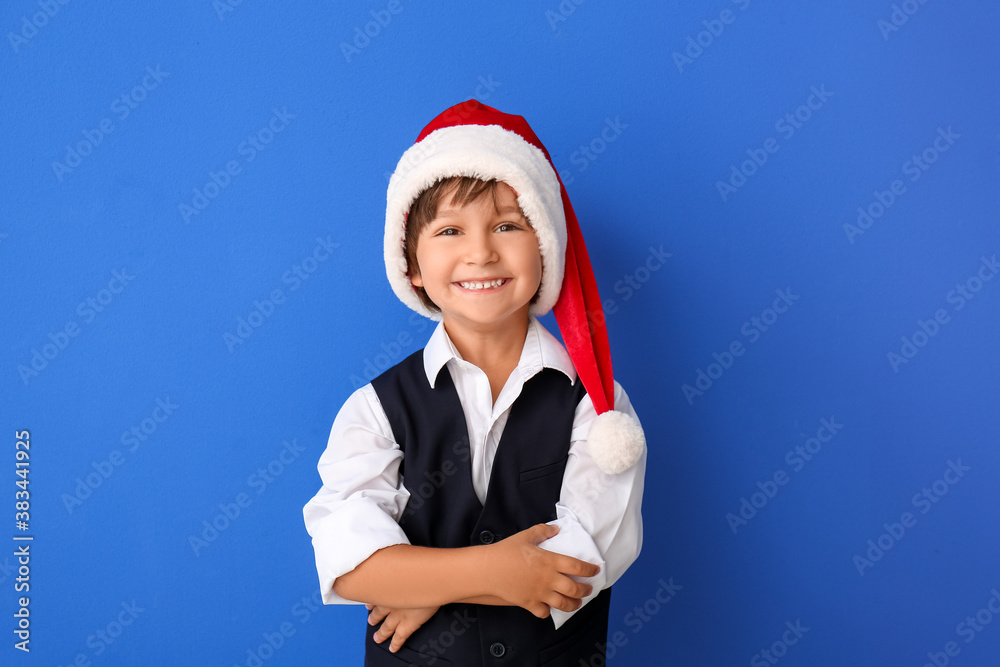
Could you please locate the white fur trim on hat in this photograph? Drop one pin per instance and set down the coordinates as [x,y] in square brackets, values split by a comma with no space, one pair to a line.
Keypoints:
[485,152]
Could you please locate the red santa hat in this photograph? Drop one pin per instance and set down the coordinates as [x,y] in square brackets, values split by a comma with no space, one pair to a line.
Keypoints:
[472,139]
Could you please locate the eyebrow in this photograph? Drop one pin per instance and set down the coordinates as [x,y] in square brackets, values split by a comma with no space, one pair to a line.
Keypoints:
[448,212]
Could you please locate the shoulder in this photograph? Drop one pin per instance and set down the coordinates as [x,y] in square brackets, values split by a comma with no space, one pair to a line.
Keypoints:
[362,411]
[585,412]
[622,402]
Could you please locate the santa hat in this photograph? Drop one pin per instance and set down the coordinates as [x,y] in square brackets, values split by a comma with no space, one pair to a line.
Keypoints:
[472,139]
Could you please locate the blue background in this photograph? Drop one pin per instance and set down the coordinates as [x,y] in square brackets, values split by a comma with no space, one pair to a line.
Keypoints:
[348,105]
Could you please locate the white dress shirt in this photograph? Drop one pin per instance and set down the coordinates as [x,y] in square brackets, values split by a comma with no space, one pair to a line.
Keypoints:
[356,512]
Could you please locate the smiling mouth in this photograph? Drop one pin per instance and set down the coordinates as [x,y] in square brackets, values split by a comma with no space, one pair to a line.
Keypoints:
[483,285]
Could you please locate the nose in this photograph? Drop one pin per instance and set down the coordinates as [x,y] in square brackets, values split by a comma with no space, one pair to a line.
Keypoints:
[481,248]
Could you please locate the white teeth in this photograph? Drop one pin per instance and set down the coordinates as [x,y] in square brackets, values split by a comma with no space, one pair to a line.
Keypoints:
[486,285]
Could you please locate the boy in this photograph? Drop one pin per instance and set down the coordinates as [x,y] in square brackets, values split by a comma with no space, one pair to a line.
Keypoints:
[477,488]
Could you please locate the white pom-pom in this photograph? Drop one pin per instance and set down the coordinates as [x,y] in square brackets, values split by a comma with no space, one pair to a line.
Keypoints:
[616,441]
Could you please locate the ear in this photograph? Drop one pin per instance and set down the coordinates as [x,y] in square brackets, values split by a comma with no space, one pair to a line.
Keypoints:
[416,280]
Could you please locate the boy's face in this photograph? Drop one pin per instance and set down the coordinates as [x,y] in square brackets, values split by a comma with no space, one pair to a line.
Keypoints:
[481,267]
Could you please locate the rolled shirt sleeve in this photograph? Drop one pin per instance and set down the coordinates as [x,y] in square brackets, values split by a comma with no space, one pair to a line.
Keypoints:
[598,514]
[357,510]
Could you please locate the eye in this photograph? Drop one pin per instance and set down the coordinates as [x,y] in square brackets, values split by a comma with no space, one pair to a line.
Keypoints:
[448,231]
[508,226]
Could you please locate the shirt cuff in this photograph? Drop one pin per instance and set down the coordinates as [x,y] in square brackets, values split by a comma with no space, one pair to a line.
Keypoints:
[345,538]
[573,540]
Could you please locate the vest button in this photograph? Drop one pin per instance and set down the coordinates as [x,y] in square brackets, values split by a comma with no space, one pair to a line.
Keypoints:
[497,650]
[486,537]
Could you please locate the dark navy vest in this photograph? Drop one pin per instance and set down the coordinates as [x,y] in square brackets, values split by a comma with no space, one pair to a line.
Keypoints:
[444,511]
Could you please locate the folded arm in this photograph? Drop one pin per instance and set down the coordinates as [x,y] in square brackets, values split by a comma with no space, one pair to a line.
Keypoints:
[514,571]
[363,555]
[408,576]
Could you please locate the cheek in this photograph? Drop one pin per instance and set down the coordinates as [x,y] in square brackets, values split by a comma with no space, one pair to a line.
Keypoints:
[538,270]
[537,262]
[536,257]
[426,259]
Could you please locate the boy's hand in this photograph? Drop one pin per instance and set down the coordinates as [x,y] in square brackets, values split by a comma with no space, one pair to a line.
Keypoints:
[398,624]
[524,574]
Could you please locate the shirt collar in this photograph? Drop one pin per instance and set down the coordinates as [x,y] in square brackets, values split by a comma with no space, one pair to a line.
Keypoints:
[541,350]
